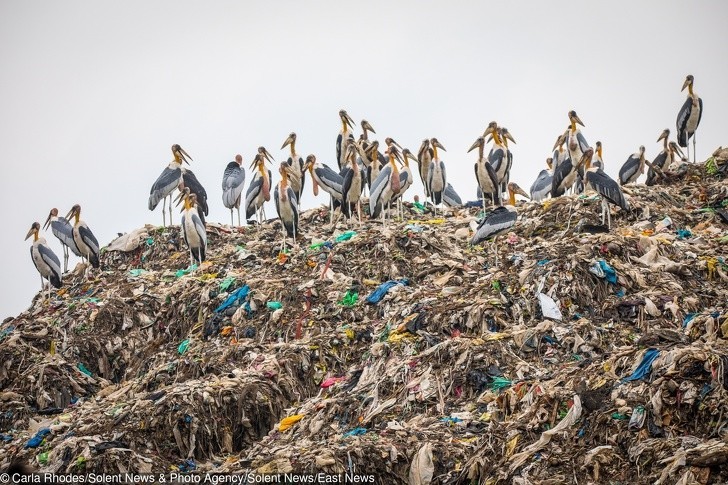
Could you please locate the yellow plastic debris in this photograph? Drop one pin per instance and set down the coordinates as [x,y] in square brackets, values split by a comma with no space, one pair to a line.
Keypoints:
[289,421]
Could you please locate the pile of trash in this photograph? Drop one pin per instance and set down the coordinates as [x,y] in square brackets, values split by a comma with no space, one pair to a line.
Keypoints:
[400,351]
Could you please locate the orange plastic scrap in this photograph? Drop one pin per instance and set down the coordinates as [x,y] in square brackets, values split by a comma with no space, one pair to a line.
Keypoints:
[289,421]
[226,331]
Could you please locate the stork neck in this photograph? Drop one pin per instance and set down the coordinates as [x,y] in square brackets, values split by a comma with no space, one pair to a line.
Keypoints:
[573,126]
[664,143]
[293,149]
[78,216]
[481,149]
[35,236]
[261,169]
[343,125]
[497,138]
[690,90]
[284,179]
[511,197]
[599,152]
[395,170]
[434,152]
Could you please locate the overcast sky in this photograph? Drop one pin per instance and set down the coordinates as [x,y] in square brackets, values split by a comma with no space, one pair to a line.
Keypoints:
[93,94]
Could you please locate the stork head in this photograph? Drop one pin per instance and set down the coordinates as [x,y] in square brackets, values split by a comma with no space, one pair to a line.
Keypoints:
[478,143]
[239,159]
[586,157]
[407,155]
[437,144]
[180,154]
[505,134]
[490,129]
[574,118]
[642,151]
[351,152]
[183,195]
[291,140]
[365,126]
[550,163]
[264,154]
[515,189]
[688,82]
[33,231]
[310,161]
[664,135]
[560,141]
[74,212]
[423,148]
[676,149]
[346,120]
[53,213]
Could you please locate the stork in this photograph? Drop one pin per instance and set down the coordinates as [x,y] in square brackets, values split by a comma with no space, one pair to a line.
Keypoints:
[364,137]
[505,136]
[63,230]
[451,198]
[233,183]
[385,186]
[597,161]
[258,192]
[565,174]
[286,206]
[424,157]
[323,176]
[498,154]
[688,118]
[437,175]
[577,144]
[347,127]
[598,180]
[353,183]
[193,229]
[541,187]
[85,240]
[405,180]
[485,174]
[294,168]
[170,179]
[663,160]
[371,155]
[560,153]
[44,259]
[499,220]
[633,167]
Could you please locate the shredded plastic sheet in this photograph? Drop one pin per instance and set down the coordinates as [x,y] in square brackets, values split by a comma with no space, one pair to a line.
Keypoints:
[644,367]
[380,292]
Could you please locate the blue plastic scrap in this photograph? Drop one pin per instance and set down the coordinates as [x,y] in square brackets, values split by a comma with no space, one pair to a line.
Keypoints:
[355,432]
[380,292]
[645,366]
[688,318]
[36,440]
[236,297]
[602,270]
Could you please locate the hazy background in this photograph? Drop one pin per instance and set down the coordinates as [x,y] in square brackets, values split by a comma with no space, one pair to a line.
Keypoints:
[93,94]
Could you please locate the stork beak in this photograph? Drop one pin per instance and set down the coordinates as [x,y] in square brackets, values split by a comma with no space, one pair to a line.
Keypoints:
[30,233]
[439,145]
[559,142]
[677,149]
[347,119]
[520,191]
[367,126]
[184,155]
[664,135]
[70,213]
[576,118]
[410,156]
[586,157]
[508,135]
[47,221]
[475,144]
[685,84]
[396,144]
[266,154]
[288,141]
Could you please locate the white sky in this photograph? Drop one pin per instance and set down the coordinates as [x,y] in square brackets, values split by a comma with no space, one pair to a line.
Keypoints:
[93,94]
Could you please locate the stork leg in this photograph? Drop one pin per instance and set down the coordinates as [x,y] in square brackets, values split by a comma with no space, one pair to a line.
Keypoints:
[231,217]
[571,208]
[65,258]
[694,150]
[170,210]
[331,209]
[358,210]
[238,209]
[164,211]
[495,250]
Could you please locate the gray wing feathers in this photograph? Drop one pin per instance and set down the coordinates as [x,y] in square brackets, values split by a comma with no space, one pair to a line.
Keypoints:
[165,184]
[256,185]
[606,187]
[233,182]
[200,228]
[496,222]
[682,122]
[333,180]
[583,145]
[64,232]
[628,170]
[541,186]
[450,197]
[88,237]
[50,258]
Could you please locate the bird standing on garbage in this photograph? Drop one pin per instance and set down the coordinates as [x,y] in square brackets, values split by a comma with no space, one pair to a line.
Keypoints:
[85,240]
[688,118]
[233,183]
[633,167]
[505,136]
[170,179]
[364,137]
[193,229]
[437,175]
[323,176]
[44,259]
[353,183]
[541,187]
[598,180]
[347,129]
[258,192]
[560,153]
[597,161]
[499,220]
[63,230]
[665,158]
[424,157]
[294,168]
[450,197]
[405,180]
[565,174]
[485,174]
[576,143]
[286,206]
[385,186]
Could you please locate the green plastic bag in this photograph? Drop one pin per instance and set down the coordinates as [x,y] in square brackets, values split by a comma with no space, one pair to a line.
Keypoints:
[350,298]
[183,346]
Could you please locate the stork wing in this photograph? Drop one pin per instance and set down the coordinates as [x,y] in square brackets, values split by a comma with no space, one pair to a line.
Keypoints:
[88,237]
[541,186]
[606,187]
[190,181]
[700,115]
[375,191]
[495,158]
[629,168]
[200,228]
[583,145]
[339,140]
[183,225]
[333,180]
[348,175]
[164,185]
[256,185]
[682,121]
[450,197]
[50,258]
[561,172]
[501,219]
[63,230]
[233,182]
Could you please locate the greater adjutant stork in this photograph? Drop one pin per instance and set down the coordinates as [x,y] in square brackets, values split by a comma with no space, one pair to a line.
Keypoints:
[258,192]
[598,180]
[689,116]
[633,167]
[353,183]
[485,174]
[347,127]
[193,229]
[437,175]
[565,174]
[386,185]
[576,143]
[499,220]
[286,206]
[233,183]
[63,230]
[665,158]
[405,180]
[597,161]
[424,157]
[44,259]
[170,179]
[323,176]
[85,240]
[294,168]
[541,187]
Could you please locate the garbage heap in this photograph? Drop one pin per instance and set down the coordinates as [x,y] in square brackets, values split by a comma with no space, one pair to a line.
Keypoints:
[587,356]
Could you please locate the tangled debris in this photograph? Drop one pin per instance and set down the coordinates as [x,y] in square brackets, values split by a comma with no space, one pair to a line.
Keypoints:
[396,352]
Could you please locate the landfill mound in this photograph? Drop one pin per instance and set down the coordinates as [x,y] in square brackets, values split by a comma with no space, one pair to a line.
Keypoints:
[586,356]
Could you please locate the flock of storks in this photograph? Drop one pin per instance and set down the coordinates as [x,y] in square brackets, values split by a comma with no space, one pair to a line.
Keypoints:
[574,166]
